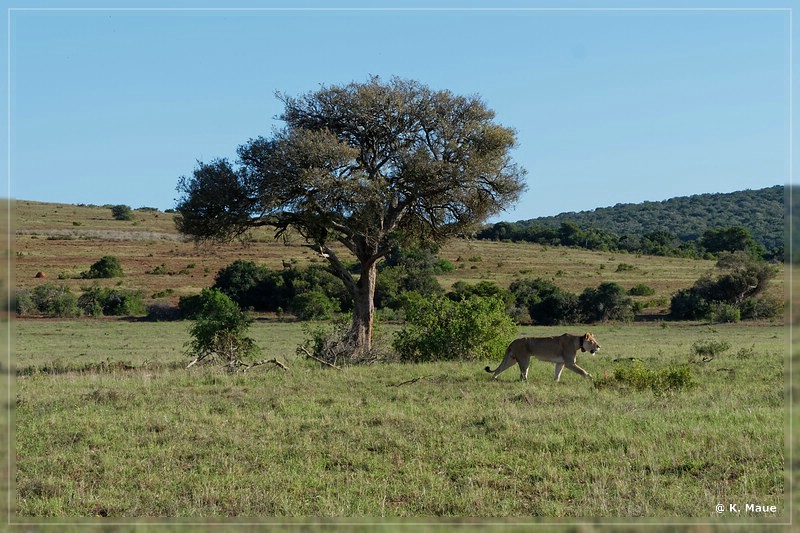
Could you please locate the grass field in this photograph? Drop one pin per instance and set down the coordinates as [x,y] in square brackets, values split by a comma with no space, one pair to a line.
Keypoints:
[160,441]
[109,425]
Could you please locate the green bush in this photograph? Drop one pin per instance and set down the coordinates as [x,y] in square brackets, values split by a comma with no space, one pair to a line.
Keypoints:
[724,313]
[545,302]
[240,282]
[558,307]
[23,302]
[122,212]
[219,331]
[743,279]
[48,299]
[408,269]
[762,308]
[393,282]
[443,266]
[97,301]
[641,290]
[107,267]
[608,301]
[688,304]
[313,305]
[190,306]
[316,278]
[259,288]
[439,329]
[485,289]
[638,377]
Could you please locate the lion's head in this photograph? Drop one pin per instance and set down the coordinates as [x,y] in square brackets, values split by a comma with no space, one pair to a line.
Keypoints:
[589,344]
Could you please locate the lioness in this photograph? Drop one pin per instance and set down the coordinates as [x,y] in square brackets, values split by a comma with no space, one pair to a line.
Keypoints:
[560,350]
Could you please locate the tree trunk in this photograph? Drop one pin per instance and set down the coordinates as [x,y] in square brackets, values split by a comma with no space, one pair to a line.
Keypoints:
[363,309]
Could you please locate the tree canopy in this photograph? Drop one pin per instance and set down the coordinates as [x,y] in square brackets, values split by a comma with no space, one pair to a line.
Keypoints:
[368,165]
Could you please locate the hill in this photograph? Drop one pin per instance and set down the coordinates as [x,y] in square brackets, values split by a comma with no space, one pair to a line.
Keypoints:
[62,240]
[760,211]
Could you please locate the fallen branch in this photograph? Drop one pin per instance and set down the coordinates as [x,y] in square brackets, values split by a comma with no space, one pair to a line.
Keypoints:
[414,380]
[196,360]
[266,362]
[317,358]
[235,364]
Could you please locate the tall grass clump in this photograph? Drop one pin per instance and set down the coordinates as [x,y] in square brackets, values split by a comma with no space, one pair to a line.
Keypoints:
[709,349]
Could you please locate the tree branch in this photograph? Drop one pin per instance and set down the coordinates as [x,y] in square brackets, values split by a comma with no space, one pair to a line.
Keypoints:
[317,358]
[266,361]
[414,380]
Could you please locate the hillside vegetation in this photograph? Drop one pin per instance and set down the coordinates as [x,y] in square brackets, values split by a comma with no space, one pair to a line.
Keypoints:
[64,241]
[761,212]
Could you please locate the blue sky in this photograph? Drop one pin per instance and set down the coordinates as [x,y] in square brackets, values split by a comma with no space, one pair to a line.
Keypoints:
[610,106]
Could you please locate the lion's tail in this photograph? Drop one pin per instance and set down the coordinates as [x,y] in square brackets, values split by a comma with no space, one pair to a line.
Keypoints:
[489,370]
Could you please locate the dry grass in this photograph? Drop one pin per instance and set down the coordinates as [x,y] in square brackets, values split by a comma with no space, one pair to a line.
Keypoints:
[64,240]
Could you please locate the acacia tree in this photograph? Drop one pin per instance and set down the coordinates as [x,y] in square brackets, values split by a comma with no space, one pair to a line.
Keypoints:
[368,165]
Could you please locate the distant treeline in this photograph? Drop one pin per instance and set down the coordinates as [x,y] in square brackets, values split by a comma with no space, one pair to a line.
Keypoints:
[693,226]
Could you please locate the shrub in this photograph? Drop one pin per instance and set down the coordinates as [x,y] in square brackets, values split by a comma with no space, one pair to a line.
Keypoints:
[257,287]
[107,267]
[24,303]
[315,278]
[638,377]
[163,312]
[608,301]
[122,212]
[239,282]
[160,270]
[219,331]
[688,304]
[393,282]
[440,329]
[313,305]
[722,312]
[485,289]
[559,307]
[641,290]
[546,303]
[97,301]
[50,300]
[443,266]
[744,279]
[762,308]
[527,291]
[190,306]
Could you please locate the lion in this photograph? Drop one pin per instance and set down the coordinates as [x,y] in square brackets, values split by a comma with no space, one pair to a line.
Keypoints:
[560,350]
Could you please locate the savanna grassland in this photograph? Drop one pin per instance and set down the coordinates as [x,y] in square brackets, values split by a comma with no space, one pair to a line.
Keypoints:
[110,426]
